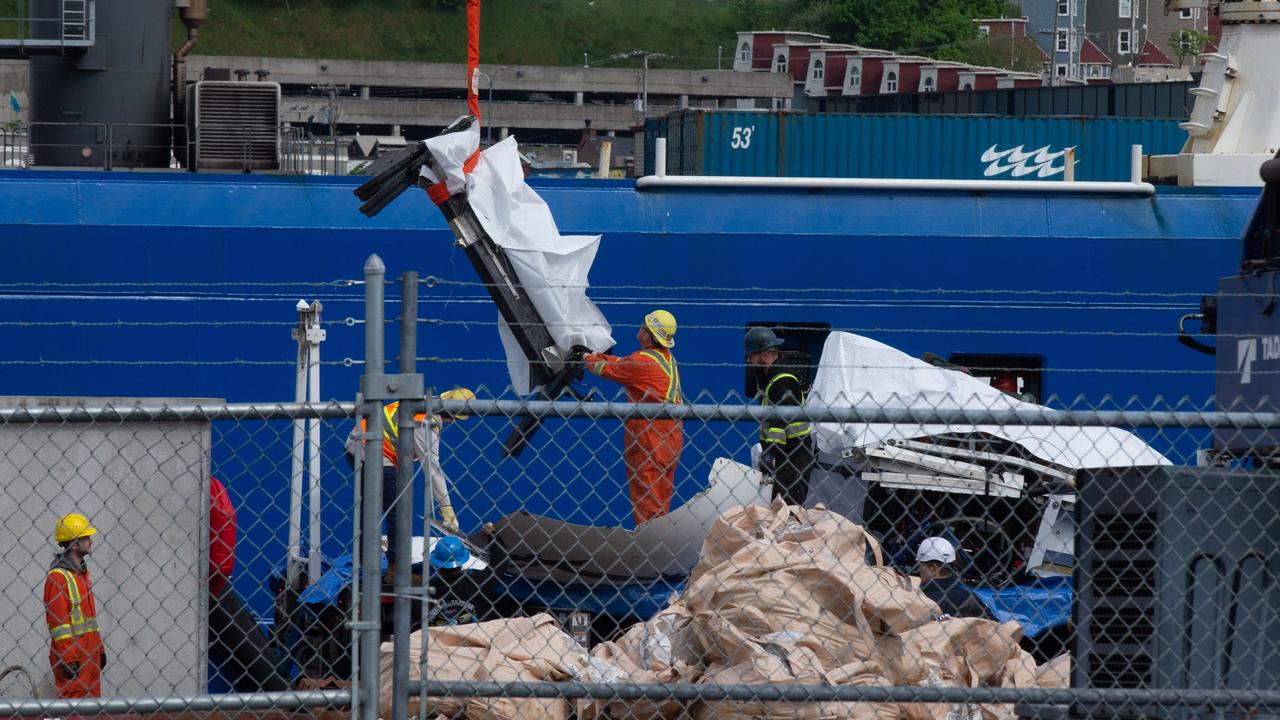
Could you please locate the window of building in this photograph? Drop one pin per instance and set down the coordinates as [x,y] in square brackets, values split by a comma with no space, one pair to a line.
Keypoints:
[744,52]
[1063,45]
[801,349]
[1064,7]
[928,84]
[984,30]
[817,69]
[1187,13]
[1060,70]
[1123,44]
[780,64]
[967,85]
[1125,8]
[891,82]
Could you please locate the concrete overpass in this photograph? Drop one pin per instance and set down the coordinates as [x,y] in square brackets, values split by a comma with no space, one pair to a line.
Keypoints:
[570,96]
[565,98]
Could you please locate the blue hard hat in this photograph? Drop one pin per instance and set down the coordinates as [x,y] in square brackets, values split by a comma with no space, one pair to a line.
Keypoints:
[449,554]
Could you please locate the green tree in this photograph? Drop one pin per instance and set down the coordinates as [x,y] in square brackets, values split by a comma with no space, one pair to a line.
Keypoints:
[1188,43]
[940,28]
[1018,54]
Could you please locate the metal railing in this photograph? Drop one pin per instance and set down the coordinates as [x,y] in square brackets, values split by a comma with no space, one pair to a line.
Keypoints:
[122,146]
[73,28]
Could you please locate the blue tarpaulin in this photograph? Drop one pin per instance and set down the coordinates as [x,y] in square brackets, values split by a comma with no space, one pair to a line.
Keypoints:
[1037,607]
[326,589]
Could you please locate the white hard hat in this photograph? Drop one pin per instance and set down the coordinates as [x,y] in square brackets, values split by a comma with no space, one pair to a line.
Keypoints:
[936,549]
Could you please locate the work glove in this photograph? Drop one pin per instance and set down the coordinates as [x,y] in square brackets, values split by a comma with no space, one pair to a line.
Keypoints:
[449,519]
[70,670]
[576,353]
[102,660]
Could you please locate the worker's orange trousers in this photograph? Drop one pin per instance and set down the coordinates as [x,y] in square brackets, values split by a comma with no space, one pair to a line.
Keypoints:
[86,684]
[651,451]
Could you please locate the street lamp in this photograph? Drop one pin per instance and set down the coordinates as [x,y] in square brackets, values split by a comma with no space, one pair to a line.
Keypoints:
[646,56]
[488,126]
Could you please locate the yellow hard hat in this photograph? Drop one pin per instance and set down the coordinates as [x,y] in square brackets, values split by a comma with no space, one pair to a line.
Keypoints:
[662,326]
[459,393]
[72,526]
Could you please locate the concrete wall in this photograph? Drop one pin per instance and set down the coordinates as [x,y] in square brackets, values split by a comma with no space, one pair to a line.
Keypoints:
[145,487]
[438,113]
[609,92]
[544,78]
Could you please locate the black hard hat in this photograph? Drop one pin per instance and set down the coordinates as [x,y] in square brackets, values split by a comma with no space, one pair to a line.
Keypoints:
[760,338]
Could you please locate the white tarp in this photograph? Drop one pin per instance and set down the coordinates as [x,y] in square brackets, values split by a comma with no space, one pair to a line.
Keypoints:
[857,370]
[552,267]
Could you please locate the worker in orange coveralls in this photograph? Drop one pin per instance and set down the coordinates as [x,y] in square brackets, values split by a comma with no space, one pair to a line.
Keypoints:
[76,652]
[651,448]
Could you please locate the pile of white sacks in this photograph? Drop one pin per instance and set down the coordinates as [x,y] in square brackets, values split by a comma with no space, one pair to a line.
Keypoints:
[781,595]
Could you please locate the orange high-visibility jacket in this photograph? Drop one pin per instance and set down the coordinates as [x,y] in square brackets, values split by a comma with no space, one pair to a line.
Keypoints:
[72,616]
[651,448]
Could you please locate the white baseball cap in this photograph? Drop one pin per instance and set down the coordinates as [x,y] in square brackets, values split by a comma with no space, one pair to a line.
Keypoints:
[936,549]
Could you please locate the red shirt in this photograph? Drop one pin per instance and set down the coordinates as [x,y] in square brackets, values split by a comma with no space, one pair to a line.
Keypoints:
[222,536]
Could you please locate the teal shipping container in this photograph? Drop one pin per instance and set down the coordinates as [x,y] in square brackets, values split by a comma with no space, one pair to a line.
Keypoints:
[952,147]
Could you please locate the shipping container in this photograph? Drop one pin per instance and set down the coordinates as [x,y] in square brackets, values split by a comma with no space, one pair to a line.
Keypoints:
[957,147]
[1135,100]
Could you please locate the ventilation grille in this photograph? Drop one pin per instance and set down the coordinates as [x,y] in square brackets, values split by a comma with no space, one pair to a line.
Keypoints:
[1123,577]
[237,125]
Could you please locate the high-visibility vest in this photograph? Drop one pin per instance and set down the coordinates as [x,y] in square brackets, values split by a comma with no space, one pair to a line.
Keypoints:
[673,394]
[81,624]
[792,430]
[390,431]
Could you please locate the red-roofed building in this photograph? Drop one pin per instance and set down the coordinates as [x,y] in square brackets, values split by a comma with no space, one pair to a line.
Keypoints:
[1152,57]
[1095,66]
[1002,27]
[902,75]
[820,69]
[755,48]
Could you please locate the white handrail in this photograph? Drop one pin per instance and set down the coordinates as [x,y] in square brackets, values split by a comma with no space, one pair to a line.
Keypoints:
[653,182]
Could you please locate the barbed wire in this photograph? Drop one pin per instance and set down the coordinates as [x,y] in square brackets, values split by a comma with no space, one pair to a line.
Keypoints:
[431,281]
[436,359]
[862,330]
[151,323]
[145,362]
[182,283]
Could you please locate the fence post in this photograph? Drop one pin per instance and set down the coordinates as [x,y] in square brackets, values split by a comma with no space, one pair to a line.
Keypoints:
[405,447]
[371,489]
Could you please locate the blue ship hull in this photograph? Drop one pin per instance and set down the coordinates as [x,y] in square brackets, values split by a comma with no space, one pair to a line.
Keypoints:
[204,272]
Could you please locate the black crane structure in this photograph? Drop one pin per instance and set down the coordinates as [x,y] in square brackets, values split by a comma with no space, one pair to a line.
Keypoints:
[549,374]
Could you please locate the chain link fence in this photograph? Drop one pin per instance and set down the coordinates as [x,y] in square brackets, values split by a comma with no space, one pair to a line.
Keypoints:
[183,588]
[909,542]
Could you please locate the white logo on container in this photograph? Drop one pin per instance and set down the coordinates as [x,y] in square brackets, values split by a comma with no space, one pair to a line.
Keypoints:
[1246,354]
[1019,163]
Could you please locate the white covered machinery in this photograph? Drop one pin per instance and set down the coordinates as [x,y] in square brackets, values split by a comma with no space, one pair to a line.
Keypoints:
[1235,124]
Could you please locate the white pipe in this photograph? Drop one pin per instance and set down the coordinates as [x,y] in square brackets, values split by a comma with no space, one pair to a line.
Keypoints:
[295,478]
[313,443]
[659,157]
[1020,186]
[606,158]
[1135,164]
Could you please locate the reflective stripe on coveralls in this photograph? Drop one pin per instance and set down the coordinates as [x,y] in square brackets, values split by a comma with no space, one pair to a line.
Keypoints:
[651,447]
[79,624]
